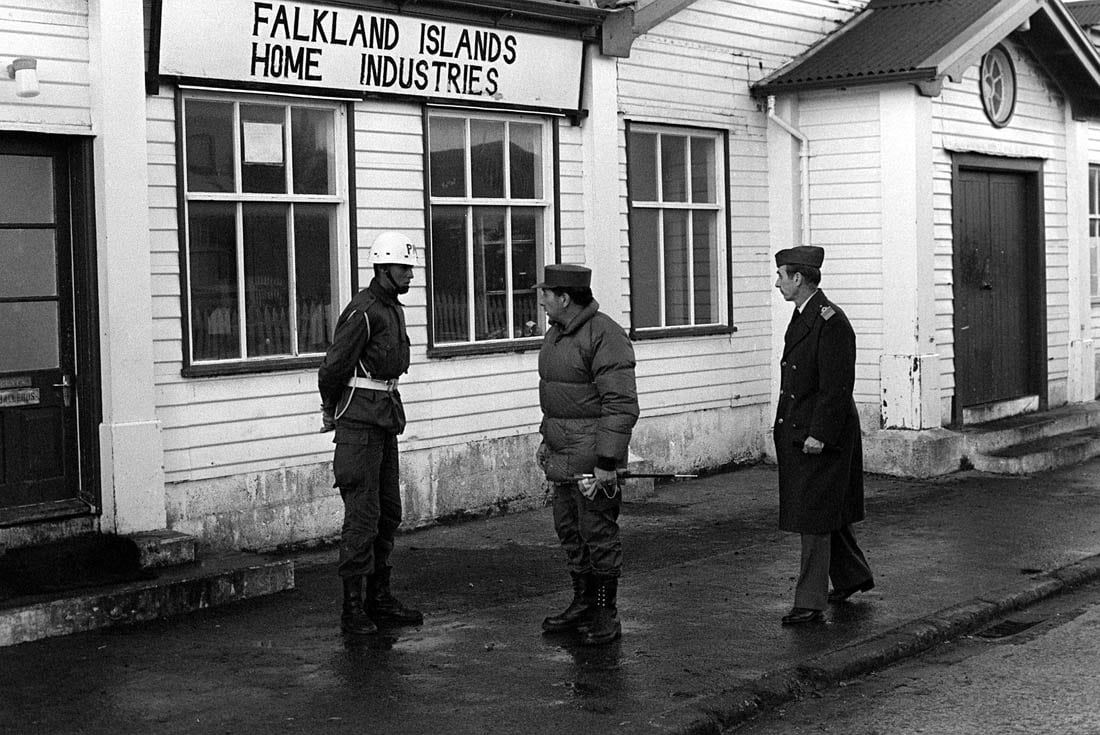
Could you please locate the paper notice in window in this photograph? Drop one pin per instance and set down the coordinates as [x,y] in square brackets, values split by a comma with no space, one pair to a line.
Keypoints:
[263,143]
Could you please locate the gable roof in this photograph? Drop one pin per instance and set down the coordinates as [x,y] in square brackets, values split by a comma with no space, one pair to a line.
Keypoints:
[1086,12]
[926,41]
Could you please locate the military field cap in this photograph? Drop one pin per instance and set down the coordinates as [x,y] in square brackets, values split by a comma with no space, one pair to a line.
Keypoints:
[810,255]
[563,275]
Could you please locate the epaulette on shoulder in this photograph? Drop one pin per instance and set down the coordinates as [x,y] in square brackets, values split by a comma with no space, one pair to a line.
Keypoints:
[827,312]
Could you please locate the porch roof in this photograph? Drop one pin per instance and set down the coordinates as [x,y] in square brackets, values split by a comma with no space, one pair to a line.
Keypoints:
[1087,12]
[926,41]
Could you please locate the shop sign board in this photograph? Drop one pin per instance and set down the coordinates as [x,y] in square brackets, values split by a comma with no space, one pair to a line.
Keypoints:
[326,47]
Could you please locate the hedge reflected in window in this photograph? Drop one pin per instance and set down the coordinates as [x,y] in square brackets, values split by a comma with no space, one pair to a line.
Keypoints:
[677,227]
[487,248]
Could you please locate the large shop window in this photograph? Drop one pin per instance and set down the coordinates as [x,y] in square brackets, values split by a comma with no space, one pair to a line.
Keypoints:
[491,210]
[678,223]
[1094,232]
[265,199]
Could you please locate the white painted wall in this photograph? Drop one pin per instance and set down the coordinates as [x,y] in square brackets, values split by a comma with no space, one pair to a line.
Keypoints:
[55,32]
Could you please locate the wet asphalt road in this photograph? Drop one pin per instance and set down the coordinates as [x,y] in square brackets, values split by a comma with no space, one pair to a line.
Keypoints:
[707,577]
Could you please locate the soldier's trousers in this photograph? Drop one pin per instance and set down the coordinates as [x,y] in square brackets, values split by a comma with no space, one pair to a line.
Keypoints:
[826,556]
[588,530]
[367,475]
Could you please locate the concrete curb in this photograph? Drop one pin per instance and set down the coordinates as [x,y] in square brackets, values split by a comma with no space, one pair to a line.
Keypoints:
[716,713]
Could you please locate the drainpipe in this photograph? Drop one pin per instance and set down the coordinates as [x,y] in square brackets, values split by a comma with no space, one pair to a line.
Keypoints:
[803,166]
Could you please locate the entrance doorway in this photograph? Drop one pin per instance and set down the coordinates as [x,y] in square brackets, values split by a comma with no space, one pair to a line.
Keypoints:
[1000,345]
[48,391]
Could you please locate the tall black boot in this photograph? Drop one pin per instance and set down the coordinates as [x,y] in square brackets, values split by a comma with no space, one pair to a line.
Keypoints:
[605,626]
[383,607]
[579,611]
[354,619]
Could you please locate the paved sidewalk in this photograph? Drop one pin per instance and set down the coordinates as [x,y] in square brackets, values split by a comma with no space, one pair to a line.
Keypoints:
[707,578]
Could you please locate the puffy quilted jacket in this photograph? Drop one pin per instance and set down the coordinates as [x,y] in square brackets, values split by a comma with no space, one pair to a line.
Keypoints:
[588,395]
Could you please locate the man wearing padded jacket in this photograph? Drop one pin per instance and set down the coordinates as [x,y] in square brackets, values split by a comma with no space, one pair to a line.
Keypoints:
[359,400]
[590,405]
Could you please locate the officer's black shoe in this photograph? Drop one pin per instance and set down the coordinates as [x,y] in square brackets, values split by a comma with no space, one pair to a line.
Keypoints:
[802,615]
[383,607]
[605,626]
[580,610]
[354,619]
[841,595]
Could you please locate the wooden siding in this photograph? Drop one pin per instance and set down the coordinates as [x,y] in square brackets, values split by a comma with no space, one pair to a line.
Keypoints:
[845,217]
[1037,130]
[1094,320]
[694,69]
[55,32]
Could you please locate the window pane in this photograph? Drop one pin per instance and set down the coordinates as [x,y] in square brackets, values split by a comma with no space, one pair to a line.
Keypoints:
[676,268]
[448,157]
[490,286]
[27,184]
[266,290]
[28,263]
[263,147]
[702,170]
[449,296]
[706,266]
[312,142]
[526,160]
[209,130]
[212,257]
[1094,183]
[313,245]
[487,158]
[29,334]
[673,173]
[644,273]
[526,256]
[643,167]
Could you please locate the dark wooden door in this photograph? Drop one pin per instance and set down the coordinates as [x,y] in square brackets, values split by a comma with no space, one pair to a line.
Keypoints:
[993,284]
[38,406]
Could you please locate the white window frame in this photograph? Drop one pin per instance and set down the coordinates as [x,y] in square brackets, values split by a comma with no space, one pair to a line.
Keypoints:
[546,203]
[340,258]
[1094,240]
[719,207]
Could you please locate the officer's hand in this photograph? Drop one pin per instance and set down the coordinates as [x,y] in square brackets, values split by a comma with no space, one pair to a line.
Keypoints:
[542,456]
[607,478]
[328,420]
[812,446]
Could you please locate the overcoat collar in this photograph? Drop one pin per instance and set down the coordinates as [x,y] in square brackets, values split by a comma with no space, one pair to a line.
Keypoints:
[803,322]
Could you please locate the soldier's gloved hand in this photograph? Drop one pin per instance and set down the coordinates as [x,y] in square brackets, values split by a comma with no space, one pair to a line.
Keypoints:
[542,456]
[328,420]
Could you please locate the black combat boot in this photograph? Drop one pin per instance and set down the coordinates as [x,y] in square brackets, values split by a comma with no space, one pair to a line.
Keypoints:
[579,611]
[354,619]
[383,607]
[605,626]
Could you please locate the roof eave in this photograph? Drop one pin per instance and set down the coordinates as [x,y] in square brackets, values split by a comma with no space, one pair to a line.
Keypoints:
[913,76]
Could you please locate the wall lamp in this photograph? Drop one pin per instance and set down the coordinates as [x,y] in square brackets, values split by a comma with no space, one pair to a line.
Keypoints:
[24,71]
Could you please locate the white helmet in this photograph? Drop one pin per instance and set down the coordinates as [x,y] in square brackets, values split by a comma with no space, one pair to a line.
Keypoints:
[392,248]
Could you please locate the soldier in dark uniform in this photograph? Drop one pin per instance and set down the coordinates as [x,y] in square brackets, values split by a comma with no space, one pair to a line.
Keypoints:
[359,400]
[818,443]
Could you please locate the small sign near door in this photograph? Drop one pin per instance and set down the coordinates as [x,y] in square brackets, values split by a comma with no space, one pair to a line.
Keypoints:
[19,397]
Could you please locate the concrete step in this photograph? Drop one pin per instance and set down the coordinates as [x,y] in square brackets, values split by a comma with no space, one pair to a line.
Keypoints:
[164,548]
[175,590]
[1039,455]
[993,436]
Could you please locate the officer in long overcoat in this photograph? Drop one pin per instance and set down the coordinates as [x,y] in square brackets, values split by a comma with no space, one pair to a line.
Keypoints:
[818,442]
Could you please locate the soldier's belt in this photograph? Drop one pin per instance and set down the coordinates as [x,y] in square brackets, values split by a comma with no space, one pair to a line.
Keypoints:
[371,384]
